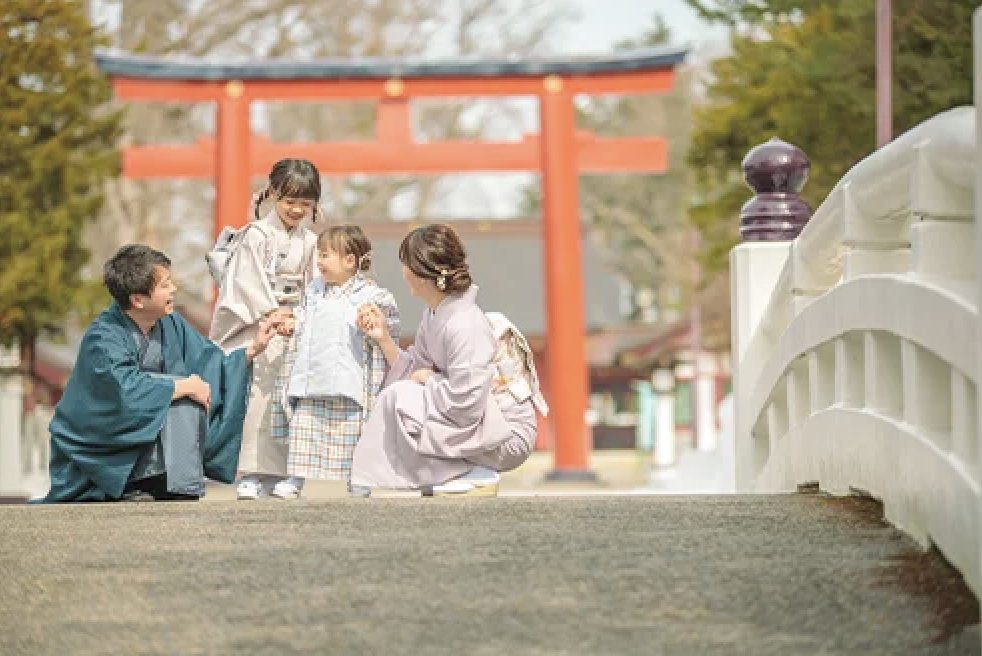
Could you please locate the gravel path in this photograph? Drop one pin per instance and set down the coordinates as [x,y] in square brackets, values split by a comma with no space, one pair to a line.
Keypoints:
[798,574]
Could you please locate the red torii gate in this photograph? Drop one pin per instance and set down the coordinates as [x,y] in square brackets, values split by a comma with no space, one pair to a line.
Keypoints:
[560,152]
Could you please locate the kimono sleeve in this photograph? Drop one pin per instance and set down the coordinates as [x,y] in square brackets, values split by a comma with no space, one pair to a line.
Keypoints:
[300,310]
[139,397]
[245,295]
[460,393]
[378,367]
[310,255]
[280,412]
[292,344]
[410,359]
[113,396]
[229,377]
[386,302]
[109,412]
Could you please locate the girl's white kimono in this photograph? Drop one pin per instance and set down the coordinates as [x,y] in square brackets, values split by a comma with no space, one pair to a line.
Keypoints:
[269,270]
[420,435]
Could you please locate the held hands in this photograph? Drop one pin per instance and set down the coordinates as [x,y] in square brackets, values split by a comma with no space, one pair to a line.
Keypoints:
[287,327]
[268,328]
[371,321]
[283,320]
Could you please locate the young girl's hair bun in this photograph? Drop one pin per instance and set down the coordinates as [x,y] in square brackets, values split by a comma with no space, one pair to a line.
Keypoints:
[348,239]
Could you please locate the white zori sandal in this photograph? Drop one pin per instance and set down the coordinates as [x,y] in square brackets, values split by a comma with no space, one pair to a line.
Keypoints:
[249,488]
[286,489]
[478,482]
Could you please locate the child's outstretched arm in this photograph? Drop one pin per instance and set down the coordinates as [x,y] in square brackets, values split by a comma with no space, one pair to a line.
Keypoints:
[372,322]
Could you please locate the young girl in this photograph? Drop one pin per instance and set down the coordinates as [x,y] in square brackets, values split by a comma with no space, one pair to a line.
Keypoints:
[442,422]
[333,372]
[265,277]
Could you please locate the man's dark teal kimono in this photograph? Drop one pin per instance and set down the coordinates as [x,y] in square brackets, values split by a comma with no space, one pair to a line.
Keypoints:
[112,411]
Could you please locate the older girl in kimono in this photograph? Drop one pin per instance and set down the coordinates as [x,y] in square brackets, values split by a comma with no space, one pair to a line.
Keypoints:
[440,424]
[266,277]
[332,372]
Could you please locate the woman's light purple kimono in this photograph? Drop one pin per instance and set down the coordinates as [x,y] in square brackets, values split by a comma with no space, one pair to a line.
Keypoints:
[427,434]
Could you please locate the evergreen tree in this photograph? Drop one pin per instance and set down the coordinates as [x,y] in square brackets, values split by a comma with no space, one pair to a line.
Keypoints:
[56,150]
[804,70]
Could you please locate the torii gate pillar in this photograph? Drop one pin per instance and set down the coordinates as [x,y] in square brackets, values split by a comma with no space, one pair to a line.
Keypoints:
[565,315]
[232,166]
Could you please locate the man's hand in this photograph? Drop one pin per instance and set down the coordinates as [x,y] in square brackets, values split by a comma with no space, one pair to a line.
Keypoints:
[421,375]
[194,388]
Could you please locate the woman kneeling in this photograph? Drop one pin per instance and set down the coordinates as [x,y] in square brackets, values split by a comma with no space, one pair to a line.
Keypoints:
[442,422]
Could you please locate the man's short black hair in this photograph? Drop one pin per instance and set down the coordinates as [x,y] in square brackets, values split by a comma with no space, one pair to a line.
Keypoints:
[131,271]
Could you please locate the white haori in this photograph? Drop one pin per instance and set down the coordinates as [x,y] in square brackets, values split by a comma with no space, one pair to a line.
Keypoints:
[331,349]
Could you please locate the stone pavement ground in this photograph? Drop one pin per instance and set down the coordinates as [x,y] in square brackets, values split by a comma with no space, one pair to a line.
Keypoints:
[794,574]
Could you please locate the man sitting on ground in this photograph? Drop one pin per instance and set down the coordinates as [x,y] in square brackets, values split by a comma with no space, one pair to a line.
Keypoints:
[152,406]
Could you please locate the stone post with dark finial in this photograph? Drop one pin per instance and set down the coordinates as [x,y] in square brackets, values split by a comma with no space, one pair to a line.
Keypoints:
[776,171]
[769,223]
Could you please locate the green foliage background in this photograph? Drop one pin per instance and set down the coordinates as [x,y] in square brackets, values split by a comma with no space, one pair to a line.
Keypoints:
[57,146]
[805,71]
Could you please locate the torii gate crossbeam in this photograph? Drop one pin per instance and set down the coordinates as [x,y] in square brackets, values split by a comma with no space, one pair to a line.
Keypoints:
[559,152]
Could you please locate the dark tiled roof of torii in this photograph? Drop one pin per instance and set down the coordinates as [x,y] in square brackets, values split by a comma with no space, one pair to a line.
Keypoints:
[184,68]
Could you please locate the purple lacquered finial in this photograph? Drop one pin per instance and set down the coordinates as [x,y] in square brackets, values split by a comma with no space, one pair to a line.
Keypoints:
[776,171]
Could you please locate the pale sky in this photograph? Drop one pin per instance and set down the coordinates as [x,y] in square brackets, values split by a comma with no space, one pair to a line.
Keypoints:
[600,24]
[603,23]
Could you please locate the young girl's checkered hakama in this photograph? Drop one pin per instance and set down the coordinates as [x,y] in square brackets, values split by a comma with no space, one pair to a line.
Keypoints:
[322,431]
[323,434]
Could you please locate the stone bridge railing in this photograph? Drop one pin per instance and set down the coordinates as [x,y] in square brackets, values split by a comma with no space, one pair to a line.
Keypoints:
[857,343]
[24,437]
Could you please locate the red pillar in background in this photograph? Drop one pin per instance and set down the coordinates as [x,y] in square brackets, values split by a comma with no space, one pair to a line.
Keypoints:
[565,315]
[232,178]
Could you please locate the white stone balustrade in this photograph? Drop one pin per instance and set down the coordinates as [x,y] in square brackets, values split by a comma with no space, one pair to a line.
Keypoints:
[24,439]
[856,344]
